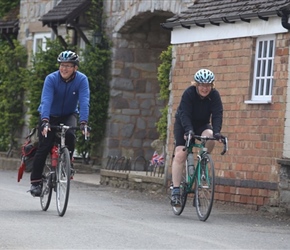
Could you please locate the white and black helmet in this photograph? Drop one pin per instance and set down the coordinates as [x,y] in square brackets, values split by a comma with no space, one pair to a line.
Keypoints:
[204,76]
[69,57]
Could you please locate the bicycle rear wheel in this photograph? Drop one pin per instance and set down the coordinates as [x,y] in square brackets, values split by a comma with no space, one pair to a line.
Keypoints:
[63,181]
[45,197]
[205,187]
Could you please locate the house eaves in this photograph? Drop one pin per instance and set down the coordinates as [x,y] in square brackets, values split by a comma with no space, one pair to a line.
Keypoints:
[10,27]
[214,12]
[66,12]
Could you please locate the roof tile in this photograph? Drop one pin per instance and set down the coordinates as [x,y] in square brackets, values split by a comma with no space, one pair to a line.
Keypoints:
[65,11]
[204,11]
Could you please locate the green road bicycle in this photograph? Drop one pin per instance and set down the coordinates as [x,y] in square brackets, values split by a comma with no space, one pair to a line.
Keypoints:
[57,172]
[199,179]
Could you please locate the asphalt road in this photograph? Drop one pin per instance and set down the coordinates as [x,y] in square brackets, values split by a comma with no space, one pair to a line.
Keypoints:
[101,217]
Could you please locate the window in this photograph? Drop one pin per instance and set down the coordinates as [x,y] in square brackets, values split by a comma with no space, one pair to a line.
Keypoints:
[39,41]
[263,71]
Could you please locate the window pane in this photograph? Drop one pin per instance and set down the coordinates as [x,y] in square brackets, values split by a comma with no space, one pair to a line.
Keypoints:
[260,49]
[268,87]
[263,68]
[258,68]
[265,49]
[257,87]
[271,48]
[269,71]
[262,87]
[38,45]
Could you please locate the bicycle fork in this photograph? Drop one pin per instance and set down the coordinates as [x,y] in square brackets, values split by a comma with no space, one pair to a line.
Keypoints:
[202,175]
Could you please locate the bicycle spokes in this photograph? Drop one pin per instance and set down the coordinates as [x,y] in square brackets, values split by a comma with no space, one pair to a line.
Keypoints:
[204,191]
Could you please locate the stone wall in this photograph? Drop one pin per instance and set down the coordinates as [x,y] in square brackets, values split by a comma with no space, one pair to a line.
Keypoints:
[132,180]
[284,185]
[138,40]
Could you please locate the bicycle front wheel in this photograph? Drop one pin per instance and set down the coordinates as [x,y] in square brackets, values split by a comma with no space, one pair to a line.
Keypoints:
[177,210]
[63,181]
[205,187]
[45,197]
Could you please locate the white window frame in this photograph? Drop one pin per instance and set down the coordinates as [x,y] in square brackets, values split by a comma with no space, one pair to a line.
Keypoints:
[42,37]
[264,70]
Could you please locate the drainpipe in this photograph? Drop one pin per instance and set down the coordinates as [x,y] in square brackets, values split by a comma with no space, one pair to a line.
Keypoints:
[284,20]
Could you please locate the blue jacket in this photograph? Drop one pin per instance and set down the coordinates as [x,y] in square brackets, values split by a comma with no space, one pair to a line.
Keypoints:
[59,98]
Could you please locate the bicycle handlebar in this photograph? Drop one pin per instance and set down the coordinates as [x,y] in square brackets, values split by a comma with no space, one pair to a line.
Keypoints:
[206,138]
[66,127]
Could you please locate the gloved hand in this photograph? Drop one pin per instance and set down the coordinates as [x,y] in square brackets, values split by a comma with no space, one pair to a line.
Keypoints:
[218,136]
[45,127]
[83,125]
[190,132]
[82,128]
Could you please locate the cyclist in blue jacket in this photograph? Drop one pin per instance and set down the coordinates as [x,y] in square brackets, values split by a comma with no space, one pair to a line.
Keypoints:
[200,112]
[65,96]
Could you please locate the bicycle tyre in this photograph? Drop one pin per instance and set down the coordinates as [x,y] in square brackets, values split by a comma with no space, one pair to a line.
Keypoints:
[177,210]
[45,197]
[63,173]
[205,188]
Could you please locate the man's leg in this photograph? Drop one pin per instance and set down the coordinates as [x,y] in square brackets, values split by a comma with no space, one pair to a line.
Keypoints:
[177,169]
[209,144]
[42,151]
[70,137]
[178,165]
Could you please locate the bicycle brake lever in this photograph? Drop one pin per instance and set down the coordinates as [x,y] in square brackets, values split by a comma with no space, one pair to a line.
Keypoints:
[225,142]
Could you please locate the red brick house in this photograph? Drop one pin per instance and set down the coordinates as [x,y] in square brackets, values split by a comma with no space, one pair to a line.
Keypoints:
[246,45]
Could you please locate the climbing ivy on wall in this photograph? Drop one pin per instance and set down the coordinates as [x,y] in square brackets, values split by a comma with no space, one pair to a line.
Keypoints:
[163,77]
[13,75]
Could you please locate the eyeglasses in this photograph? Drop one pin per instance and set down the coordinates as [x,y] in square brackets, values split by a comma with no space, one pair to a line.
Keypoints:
[204,85]
[66,66]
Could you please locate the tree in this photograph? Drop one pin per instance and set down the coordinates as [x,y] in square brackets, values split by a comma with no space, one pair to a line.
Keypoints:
[13,75]
[6,6]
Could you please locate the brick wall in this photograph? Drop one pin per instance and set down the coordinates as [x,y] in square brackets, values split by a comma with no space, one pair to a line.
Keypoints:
[248,173]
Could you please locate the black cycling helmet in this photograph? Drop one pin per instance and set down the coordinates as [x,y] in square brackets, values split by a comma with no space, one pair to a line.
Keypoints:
[204,76]
[69,57]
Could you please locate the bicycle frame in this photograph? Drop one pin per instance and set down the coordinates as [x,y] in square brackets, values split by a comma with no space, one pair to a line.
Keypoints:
[190,179]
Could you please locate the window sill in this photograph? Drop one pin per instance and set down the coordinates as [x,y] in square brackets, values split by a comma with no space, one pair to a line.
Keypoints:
[258,102]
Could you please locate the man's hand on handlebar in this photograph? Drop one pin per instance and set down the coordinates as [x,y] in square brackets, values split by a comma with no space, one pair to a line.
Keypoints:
[85,129]
[188,135]
[45,127]
[219,137]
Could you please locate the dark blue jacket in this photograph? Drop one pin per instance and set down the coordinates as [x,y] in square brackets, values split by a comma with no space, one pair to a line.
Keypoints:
[60,98]
[194,111]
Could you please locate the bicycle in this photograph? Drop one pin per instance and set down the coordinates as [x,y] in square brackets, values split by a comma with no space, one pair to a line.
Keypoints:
[198,179]
[57,172]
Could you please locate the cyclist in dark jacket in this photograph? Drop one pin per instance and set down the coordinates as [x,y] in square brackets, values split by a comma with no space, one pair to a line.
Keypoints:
[200,112]
[65,96]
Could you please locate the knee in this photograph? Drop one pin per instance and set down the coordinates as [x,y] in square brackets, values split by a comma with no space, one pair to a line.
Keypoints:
[179,157]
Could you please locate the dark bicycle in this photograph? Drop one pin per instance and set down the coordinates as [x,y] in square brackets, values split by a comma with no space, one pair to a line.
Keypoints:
[57,172]
[199,179]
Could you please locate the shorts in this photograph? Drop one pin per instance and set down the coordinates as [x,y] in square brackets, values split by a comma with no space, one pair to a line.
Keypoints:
[179,132]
